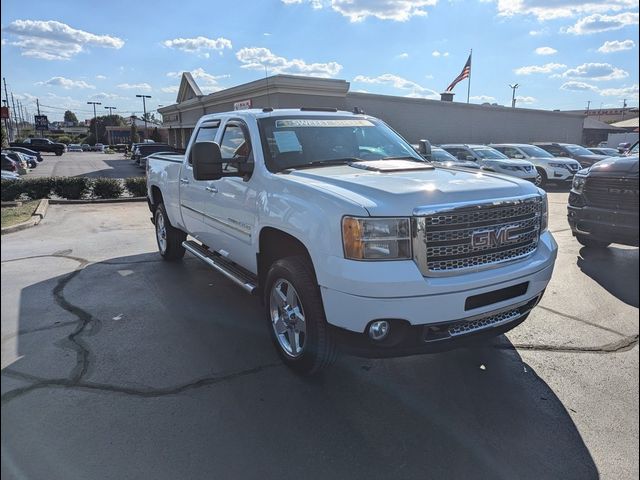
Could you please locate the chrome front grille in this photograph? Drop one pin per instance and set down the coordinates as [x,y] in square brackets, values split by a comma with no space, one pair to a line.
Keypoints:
[449,240]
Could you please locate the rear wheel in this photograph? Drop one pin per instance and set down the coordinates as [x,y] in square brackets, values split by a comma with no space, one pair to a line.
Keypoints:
[295,316]
[58,153]
[592,242]
[168,237]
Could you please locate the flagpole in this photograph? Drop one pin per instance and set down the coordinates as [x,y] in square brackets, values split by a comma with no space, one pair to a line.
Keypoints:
[469,79]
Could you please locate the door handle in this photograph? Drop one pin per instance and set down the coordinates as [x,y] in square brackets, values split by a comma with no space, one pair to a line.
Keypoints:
[211,189]
[184,180]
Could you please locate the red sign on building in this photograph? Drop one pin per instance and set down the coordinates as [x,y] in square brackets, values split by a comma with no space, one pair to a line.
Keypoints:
[5,112]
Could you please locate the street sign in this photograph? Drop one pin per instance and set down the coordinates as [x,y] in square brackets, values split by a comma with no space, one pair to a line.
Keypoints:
[42,122]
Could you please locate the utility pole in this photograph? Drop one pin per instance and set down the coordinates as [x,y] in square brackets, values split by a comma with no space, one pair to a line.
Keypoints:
[588,105]
[624,105]
[95,119]
[7,121]
[513,96]
[110,110]
[144,108]
[15,117]
[38,105]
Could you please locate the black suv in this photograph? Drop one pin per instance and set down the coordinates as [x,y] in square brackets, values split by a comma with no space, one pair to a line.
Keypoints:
[570,150]
[603,203]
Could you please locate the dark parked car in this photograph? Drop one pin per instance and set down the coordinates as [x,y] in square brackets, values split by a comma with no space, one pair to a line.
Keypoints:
[610,152]
[9,165]
[27,151]
[41,145]
[603,203]
[143,150]
[29,160]
[570,150]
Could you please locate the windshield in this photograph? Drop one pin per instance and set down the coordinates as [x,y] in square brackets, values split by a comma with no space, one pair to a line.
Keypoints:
[299,141]
[578,150]
[440,155]
[490,153]
[533,151]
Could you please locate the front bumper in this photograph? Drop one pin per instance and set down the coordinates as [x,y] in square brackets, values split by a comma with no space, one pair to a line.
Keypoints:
[614,226]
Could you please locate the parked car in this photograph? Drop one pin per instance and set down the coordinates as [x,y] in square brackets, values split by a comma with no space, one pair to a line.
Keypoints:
[10,165]
[571,150]
[444,158]
[349,236]
[549,168]
[98,147]
[27,151]
[609,152]
[633,150]
[8,175]
[86,147]
[74,147]
[143,150]
[492,160]
[624,147]
[20,159]
[603,143]
[603,203]
[41,145]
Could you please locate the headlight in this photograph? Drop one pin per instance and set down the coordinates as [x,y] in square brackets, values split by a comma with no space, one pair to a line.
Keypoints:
[544,214]
[376,238]
[578,183]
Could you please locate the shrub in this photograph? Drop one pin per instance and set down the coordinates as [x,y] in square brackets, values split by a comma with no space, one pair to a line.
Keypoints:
[72,188]
[10,190]
[107,188]
[64,139]
[137,186]
[37,188]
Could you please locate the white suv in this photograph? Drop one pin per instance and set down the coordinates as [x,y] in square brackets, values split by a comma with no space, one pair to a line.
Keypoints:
[549,167]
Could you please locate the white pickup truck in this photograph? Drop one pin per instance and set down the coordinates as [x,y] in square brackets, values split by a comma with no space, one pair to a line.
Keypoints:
[350,237]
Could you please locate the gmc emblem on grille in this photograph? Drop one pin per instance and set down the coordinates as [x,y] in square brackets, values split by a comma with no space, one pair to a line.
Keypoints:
[495,237]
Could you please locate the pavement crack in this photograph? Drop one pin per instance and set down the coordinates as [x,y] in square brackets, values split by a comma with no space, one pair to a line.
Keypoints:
[622,345]
[581,320]
[27,331]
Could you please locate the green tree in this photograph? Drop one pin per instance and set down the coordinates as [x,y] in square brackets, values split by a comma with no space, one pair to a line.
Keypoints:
[155,135]
[70,117]
[102,123]
[135,138]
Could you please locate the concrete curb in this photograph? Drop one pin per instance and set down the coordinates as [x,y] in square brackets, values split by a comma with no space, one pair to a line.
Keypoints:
[37,216]
[98,200]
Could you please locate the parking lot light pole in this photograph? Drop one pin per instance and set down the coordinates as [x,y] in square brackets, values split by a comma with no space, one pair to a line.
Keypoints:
[513,96]
[144,108]
[95,118]
[110,110]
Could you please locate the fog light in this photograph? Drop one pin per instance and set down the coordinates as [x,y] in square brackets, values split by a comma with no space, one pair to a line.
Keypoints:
[379,330]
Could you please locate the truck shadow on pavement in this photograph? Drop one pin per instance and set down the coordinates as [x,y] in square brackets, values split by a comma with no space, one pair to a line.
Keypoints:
[166,370]
[118,167]
[615,269]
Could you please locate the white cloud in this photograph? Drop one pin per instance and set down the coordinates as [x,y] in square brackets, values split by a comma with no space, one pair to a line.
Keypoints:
[207,82]
[553,9]
[403,55]
[417,90]
[101,77]
[630,93]
[256,58]
[52,40]
[65,83]
[546,68]
[546,51]
[482,98]
[171,89]
[611,46]
[106,96]
[602,23]
[359,10]
[135,86]
[199,44]
[595,71]
[537,33]
[526,100]
[574,86]
[437,53]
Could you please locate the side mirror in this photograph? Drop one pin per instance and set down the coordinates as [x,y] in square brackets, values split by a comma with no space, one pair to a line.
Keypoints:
[206,160]
[424,148]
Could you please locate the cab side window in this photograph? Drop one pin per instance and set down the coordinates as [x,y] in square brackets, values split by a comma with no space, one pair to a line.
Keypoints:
[234,146]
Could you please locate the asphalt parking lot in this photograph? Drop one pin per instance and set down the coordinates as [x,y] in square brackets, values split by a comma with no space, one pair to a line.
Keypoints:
[116,364]
[86,164]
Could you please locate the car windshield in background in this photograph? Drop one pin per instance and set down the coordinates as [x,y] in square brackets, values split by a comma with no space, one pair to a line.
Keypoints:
[294,142]
[440,155]
[490,153]
[578,150]
[534,152]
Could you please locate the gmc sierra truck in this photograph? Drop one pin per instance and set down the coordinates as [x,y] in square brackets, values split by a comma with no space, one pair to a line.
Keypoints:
[351,238]
[41,145]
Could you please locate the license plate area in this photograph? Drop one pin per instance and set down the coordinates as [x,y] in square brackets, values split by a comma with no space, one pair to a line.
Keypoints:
[495,296]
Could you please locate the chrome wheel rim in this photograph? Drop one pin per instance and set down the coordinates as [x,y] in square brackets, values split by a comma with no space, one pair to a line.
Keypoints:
[161,232]
[538,181]
[287,318]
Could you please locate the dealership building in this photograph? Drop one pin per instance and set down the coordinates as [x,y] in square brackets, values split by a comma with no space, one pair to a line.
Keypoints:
[440,121]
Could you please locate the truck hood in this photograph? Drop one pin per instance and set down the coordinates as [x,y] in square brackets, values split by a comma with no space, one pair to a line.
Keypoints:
[615,166]
[397,193]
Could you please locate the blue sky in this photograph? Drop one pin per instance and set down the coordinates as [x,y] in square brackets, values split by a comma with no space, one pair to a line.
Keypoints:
[563,53]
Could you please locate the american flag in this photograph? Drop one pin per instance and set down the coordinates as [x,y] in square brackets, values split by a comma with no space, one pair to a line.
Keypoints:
[466,71]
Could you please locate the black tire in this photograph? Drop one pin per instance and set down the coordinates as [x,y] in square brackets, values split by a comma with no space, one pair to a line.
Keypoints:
[543,177]
[172,249]
[59,153]
[592,242]
[319,350]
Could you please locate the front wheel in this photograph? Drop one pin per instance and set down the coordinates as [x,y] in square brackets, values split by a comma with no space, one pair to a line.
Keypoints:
[295,316]
[591,242]
[58,153]
[168,237]
[541,179]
